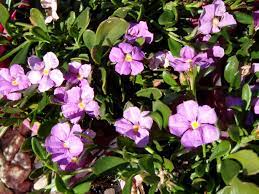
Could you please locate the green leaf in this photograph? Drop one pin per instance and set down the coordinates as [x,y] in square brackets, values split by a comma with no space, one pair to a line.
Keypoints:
[21,56]
[83,20]
[157,117]
[37,148]
[43,103]
[231,72]
[96,54]
[229,170]
[146,163]
[45,127]
[174,47]
[106,163]
[246,43]
[153,93]
[104,77]
[60,185]
[110,30]
[121,12]
[234,133]
[225,190]
[89,39]
[255,55]
[222,149]
[4,15]
[152,189]
[243,18]
[167,77]
[36,173]
[248,159]
[40,34]
[128,185]
[11,110]
[37,19]
[246,95]
[82,188]
[151,179]
[168,165]
[167,18]
[163,109]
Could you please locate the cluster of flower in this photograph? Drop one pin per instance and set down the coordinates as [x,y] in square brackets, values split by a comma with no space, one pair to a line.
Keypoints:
[76,99]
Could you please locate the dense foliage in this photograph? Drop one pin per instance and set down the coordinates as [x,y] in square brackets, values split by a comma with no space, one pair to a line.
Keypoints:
[159,96]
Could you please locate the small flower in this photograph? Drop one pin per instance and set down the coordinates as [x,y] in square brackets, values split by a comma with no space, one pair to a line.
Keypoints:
[161,59]
[50,7]
[127,58]
[218,51]
[188,58]
[135,125]
[64,145]
[13,81]
[34,128]
[77,72]
[80,102]
[194,124]
[44,72]
[139,30]
[256,19]
[215,17]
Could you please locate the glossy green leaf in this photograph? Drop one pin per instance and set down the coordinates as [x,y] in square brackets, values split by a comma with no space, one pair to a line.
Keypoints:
[89,39]
[168,165]
[83,21]
[37,148]
[40,34]
[146,163]
[128,185]
[110,30]
[152,93]
[82,188]
[157,117]
[246,43]
[220,150]
[248,159]
[4,15]
[243,18]
[121,12]
[231,72]
[234,133]
[96,54]
[163,109]
[106,163]
[37,19]
[174,47]
[60,185]
[104,77]
[229,170]
[246,95]
[151,179]
[167,77]
[167,18]
[21,56]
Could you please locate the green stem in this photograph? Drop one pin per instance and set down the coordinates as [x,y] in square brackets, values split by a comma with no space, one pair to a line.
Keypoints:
[204,151]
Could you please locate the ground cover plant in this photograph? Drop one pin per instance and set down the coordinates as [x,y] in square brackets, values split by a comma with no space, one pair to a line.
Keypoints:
[151,96]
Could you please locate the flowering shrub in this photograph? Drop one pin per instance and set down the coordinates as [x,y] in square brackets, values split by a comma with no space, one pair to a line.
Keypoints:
[154,96]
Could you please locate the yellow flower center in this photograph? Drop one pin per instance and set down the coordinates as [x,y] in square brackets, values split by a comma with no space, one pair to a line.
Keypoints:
[128,58]
[46,72]
[79,77]
[81,105]
[15,83]
[74,159]
[215,21]
[65,145]
[135,128]
[188,61]
[195,124]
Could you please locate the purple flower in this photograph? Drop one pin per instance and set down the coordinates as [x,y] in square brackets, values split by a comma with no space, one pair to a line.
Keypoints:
[13,81]
[256,106]
[162,59]
[135,125]
[127,58]
[233,101]
[255,67]
[214,17]
[218,51]
[189,58]
[88,136]
[139,30]
[77,72]
[80,102]
[256,19]
[60,95]
[64,145]
[194,124]
[44,72]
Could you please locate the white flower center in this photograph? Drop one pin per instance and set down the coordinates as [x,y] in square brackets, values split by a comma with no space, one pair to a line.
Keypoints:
[215,21]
